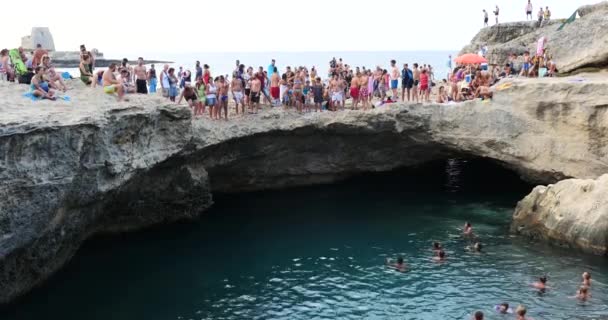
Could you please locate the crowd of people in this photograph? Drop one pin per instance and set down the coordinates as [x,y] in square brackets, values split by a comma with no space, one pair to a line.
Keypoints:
[583,293]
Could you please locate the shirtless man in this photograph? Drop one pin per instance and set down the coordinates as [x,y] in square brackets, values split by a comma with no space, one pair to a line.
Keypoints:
[363,90]
[222,89]
[275,91]
[38,54]
[335,87]
[256,88]
[394,79]
[110,84]
[237,92]
[354,90]
[416,72]
[141,76]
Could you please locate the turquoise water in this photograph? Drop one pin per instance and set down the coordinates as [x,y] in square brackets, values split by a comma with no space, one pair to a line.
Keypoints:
[319,252]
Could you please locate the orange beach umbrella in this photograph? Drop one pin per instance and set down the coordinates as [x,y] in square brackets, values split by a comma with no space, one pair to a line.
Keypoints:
[471,58]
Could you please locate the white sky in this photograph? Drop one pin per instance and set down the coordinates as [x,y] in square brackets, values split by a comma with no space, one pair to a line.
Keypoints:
[113,26]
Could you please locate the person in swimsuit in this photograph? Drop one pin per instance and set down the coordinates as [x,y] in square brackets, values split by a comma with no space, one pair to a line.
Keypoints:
[424,85]
[223,89]
[173,84]
[110,84]
[317,93]
[583,293]
[256,87]
[191,96]
[541,284]
[496,13]
[364,90]
[275,91]
[478,315]
[141,76]
[237,92]
[416,74]
[394,77]
[40,87]
[485,18]
[520,313]
[529,10]
[212,99]
[152,80]
[202,96]
[308,96]
[399,265]
[354,90]
[86,75]
[587,279]
[297,92]
[440,257]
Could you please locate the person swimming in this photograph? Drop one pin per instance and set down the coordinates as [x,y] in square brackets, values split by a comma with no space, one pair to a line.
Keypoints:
[583,293]
[541,284]
[468,229]
[586,279]
[436,247]
[521,312]
[475,247]
[440,257]
[399,266]
[478,315]
[503,308]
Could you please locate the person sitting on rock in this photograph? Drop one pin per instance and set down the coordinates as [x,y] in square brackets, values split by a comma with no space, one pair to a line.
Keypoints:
[86,74]
[55,79]
[110,84]
[40,86]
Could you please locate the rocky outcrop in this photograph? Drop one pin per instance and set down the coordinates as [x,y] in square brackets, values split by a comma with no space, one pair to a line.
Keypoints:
[571,213]
[69,170]
[581,44]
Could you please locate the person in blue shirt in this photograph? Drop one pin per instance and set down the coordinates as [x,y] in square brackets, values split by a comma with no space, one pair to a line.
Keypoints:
[271,67]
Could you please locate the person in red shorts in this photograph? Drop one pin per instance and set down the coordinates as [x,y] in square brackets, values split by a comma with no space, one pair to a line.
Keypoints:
[275,80]
[354,90]
[424,85]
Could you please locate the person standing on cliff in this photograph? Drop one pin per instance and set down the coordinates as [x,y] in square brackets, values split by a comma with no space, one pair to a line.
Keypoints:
[394,80]
[496,12]
[485,18]
[529,10]
[141,77]
[164,81]
[152,79]
[199,71]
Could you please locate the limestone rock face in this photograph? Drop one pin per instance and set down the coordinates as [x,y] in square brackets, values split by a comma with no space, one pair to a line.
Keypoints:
[573,213]
[69,170]
[39,35]
[582,43]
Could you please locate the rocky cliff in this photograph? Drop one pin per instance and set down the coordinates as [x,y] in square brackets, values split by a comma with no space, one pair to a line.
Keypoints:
[572,213]
[581,44]
[69,170]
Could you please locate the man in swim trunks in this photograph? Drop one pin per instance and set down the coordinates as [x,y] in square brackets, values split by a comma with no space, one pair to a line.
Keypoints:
[416,72]
[222,89]
[529,10]
[141,76]
[354,90]
[256,88]
[335,87]
[394,80]
[485,18]
[237,92]
[38,54]
[110,84]
[275,90]
[407,81]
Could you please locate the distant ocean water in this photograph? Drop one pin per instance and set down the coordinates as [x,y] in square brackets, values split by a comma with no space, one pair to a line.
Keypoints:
[222,63]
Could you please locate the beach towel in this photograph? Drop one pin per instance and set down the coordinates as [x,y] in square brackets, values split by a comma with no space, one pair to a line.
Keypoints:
[32,97]
[569,20]
[66,76]
[503,86]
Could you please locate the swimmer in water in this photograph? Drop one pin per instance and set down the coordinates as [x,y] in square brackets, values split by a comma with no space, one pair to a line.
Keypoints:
[440,256]
[521,313]
[468,229]
[475,248]
[478,315]
[503,308]
[399,266]
[436,247]
[583,293]
[586,279]
[541,284]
